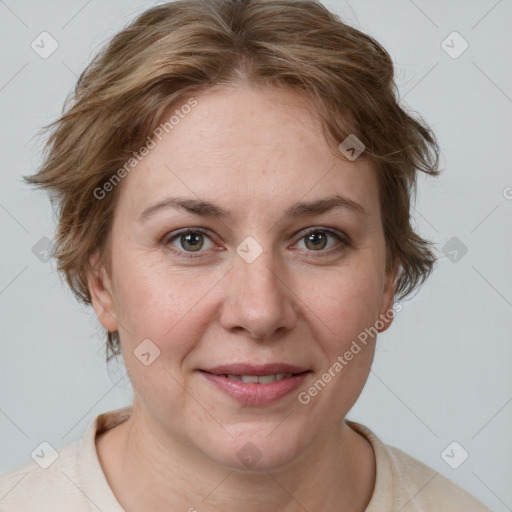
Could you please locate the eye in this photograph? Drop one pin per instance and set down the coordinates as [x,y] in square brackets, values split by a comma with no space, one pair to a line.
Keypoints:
[321,240]
[190,241]
[193,242]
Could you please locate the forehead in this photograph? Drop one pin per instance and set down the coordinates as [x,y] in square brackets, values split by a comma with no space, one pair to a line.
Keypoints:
[263,145]
[266,123]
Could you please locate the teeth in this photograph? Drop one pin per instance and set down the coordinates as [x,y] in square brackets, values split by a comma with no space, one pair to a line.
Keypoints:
[263,379]
[266,379]
[250,378]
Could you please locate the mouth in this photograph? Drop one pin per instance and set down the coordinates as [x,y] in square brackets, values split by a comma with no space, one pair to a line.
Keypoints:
[256,384]
[261,379]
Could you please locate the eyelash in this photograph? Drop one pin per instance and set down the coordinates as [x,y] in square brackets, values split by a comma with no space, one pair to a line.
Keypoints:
[344,241]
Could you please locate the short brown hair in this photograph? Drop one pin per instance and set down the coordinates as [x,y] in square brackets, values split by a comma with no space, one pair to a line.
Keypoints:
[183,48]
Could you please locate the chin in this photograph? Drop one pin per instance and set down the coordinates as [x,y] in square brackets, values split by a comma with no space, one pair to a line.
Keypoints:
[256,452]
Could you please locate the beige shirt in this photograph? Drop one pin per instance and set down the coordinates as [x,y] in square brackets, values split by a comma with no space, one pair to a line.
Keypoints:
[74,480]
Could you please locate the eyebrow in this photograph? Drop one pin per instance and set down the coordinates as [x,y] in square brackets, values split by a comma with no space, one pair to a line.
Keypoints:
[208,209]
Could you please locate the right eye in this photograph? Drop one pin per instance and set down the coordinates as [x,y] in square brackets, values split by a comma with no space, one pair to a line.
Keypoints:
[189,241]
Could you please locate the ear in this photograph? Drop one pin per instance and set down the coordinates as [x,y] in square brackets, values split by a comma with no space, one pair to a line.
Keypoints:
[100,288]
[386,313]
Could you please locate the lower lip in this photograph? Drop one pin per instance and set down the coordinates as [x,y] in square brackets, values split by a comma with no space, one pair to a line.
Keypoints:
[251,393]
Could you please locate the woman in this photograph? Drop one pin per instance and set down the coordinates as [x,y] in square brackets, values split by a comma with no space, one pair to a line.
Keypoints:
[234,181]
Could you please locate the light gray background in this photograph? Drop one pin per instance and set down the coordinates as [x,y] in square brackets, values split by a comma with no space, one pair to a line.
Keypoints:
[442,372]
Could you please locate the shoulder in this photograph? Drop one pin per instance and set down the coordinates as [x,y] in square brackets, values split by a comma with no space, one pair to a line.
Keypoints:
[48,484]
[68,478]
[422,486]
[404,483]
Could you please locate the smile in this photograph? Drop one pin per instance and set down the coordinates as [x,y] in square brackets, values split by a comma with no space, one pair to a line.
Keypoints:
[263,379]
[256,385]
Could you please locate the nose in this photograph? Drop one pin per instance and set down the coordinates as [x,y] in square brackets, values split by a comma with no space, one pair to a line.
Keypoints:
[258,299]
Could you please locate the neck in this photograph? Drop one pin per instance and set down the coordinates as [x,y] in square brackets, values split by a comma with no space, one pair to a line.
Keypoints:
[149,470]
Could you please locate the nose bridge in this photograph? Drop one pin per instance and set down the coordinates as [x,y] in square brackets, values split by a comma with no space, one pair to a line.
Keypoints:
[257,299]
[260,277]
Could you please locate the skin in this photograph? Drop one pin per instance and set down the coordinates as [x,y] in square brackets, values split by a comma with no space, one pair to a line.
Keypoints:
[254,152]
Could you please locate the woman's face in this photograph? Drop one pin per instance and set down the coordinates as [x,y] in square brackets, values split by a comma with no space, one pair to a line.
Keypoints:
[267,281]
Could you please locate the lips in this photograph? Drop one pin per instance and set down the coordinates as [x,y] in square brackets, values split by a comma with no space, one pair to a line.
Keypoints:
[255,370]
[256,384]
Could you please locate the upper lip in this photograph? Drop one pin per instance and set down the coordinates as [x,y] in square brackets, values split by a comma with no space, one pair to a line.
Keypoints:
[252,369]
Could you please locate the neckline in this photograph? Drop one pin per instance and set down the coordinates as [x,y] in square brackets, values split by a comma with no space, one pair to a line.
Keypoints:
[93,481]
[95,486]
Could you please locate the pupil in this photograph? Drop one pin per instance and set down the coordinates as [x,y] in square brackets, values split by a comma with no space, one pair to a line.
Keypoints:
[317,239]
[193,240]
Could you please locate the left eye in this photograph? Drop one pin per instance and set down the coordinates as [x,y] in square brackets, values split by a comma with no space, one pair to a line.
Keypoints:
[191,241]
[318,239]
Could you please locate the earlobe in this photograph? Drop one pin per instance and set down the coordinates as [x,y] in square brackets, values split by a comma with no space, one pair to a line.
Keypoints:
[100,288]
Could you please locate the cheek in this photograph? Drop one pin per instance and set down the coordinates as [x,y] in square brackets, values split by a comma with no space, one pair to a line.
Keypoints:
[344,315]
[162,307]
[346,301]
[346,306]
[155,301]
[172,307]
